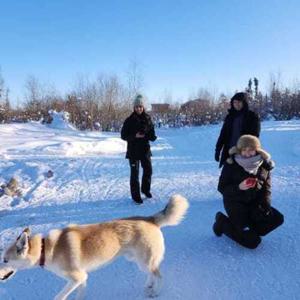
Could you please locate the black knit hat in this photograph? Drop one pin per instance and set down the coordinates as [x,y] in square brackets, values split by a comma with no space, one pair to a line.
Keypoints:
[241,96]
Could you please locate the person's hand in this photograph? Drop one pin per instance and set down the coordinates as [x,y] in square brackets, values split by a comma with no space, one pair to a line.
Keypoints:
[140,135]
[244,186]
[217,156]
[251,182]
[248,183]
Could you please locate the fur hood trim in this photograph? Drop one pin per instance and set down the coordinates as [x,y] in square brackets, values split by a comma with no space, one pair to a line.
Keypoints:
[234,150]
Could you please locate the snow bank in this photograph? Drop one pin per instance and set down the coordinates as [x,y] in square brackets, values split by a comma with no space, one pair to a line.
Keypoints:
[58,139]
[60,120]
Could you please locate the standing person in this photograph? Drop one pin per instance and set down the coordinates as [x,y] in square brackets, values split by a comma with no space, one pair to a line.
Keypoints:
[239,121]
[245,184]
[138,130]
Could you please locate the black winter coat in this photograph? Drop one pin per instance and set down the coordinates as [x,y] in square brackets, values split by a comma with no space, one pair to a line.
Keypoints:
[250,125]
[233,174]
[137,148]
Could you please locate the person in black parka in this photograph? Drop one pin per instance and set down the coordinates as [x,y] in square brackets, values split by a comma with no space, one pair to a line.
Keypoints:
[245,184]
[239,121]
[138,130]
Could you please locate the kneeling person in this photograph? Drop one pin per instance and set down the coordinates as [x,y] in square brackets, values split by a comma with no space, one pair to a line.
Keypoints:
[245,184]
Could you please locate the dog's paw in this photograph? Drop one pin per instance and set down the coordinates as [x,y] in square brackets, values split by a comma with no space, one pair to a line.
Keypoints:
[151,292]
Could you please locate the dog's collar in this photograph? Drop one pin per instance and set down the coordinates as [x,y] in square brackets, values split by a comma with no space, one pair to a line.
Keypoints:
[42,258]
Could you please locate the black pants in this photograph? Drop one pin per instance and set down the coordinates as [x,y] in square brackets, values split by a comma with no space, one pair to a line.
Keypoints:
[245,224]
[134,176]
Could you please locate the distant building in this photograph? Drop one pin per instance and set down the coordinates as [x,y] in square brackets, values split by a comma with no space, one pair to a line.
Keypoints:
[196,105]
[160,108]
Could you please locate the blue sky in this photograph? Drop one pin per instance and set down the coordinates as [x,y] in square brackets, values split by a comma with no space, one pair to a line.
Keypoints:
[180,45]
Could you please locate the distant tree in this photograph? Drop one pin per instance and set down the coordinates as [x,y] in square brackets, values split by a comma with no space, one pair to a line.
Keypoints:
[135,79]
[33,97]
[112,106]
[255,87]
[5,107]
[249,88]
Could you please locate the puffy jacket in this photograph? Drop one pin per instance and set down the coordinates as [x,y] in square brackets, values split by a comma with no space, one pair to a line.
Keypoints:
[233,174]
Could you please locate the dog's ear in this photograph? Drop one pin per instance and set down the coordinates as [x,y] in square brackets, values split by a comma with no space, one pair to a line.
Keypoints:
[22,243]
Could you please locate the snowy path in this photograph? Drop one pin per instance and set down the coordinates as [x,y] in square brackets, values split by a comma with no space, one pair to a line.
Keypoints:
[93,186]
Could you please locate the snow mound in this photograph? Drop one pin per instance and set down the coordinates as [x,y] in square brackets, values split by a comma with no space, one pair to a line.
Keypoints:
[60,120]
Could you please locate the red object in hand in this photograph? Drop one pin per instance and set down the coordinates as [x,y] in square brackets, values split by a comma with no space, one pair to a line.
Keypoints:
[251,181]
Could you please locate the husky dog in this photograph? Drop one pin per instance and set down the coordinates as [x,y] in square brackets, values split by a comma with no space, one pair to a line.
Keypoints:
[77,249]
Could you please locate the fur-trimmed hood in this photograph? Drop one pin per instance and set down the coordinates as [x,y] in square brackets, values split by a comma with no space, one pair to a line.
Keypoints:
[264,154]
[268,163]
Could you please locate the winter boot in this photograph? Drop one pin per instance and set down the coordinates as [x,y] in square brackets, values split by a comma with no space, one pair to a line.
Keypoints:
[218,225]
[138,200]
[147,194]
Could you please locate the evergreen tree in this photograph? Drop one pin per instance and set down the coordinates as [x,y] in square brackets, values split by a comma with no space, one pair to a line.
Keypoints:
[249,89]
[255,86]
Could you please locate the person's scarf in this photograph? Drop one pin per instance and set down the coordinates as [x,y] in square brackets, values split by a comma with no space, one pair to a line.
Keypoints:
[249,164]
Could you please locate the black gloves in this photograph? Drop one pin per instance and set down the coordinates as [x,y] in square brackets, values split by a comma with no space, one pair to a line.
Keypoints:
[265,209]
[217,156]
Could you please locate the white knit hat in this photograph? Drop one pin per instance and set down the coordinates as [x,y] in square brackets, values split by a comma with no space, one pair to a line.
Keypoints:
[138,100]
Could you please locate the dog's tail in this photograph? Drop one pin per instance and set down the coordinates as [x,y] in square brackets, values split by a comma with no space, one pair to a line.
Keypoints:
[173,213]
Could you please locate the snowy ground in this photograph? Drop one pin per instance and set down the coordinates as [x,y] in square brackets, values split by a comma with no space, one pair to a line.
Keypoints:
[90,184]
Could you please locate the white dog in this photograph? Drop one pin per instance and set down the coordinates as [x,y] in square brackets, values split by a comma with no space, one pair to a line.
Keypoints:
[78,249]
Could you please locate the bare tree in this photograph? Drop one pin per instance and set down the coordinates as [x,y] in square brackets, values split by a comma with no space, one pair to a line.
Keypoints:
[135,79]
[33,97]
[5,107]
[1,85]
[85,93]
[111,105]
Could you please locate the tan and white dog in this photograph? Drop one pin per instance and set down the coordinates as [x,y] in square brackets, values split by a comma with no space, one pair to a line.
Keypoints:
[77,249]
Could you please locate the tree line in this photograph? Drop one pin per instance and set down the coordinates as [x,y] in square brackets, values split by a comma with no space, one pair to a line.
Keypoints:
[104,103]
